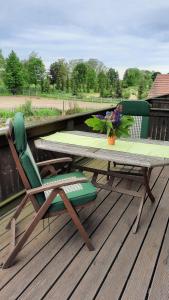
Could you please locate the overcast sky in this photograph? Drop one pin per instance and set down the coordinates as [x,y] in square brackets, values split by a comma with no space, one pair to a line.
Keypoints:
[120,33]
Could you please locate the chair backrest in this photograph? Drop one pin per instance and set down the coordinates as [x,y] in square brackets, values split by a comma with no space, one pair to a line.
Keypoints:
[23,157]
[140,110]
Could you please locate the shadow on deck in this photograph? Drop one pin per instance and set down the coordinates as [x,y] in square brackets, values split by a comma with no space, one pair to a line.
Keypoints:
[55,264]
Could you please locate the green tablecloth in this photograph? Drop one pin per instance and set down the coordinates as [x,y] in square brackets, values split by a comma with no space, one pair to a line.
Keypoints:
[101,143]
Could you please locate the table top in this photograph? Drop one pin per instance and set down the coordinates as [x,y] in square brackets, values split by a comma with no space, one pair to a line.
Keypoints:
[106,154]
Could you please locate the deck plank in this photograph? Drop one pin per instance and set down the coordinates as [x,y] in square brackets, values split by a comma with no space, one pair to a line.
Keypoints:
[146,260]
[105,219]
[95,270]
[57,265]
[160,284]
[119,270]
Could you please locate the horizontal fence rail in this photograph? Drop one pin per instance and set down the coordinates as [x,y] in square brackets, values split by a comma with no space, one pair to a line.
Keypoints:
[9,180]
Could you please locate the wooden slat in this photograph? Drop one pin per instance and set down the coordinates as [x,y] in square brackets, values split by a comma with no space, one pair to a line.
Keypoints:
[160,285]
[54,245]
[119,270]
[59,263]
[99,262]
[146,260]
[41,240]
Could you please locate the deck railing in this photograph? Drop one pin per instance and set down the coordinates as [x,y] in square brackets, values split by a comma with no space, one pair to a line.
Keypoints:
[9,179]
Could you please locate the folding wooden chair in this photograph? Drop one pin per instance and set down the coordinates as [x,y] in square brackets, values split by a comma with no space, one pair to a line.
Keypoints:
[49,196]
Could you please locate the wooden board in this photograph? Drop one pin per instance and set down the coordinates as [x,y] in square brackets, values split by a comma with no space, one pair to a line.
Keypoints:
[57,265]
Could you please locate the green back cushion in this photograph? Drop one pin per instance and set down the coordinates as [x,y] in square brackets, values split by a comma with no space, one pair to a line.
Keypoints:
[140,127]
[25,154]
[32,172]
[140,110]
[135,108]
[20,132]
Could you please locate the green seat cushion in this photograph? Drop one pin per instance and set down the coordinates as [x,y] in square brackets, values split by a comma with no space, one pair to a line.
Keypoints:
[78,194]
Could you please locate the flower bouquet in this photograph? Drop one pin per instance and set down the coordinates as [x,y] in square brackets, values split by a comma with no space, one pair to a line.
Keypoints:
[113,123]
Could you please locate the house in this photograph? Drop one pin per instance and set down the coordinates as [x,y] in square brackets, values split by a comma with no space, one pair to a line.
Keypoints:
[159,93]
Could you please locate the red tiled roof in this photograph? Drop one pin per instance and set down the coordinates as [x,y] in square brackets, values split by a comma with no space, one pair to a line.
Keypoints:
[160,86]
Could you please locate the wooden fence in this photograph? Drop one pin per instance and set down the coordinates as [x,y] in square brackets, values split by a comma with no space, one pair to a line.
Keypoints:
[9,179]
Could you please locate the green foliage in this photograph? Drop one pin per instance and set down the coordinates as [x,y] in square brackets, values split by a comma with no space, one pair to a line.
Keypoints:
[106,126]
[79,77]
[141,90]
[26,108]
[59,74]
[74,109]
[75,77]
[132,77]
[34,70]
[154,75]
[28,111]
[118,89]
[13,76]
[2,67]
[102,84]
[123,128]
[97,124]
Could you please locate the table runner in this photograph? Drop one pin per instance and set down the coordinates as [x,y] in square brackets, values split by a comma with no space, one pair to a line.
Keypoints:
[101,143]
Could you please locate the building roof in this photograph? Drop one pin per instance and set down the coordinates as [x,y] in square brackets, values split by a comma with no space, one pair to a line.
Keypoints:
[160,86]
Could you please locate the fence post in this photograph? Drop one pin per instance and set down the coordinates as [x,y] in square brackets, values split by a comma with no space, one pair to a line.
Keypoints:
[63,108]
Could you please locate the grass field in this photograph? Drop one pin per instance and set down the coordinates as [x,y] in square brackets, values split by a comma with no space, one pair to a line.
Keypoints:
[37,109]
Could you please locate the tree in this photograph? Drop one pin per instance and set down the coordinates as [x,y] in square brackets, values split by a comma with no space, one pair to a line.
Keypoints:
[2,66]
[91,79]
[35,70]
[59,74]
[96,64]
[141,90]
[132,77]
[102,83]
[79,77]
[112,76]
[13,73]
[154,75]
[118,90]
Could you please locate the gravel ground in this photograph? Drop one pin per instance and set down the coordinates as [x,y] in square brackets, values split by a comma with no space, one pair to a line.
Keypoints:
[9,102]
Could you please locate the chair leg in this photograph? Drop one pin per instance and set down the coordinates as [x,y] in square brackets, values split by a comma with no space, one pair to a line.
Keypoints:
[18,211]
[76,220]
[17,248]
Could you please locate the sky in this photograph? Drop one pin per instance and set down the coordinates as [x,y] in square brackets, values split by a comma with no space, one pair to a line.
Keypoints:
[122,34]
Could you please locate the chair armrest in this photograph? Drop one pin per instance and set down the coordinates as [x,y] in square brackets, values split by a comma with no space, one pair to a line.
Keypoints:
[55,185]
[54,161]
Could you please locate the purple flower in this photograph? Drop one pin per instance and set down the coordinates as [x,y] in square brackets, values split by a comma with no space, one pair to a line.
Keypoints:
[99,117]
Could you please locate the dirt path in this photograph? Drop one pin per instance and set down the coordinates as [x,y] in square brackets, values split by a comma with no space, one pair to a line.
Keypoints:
[9,102]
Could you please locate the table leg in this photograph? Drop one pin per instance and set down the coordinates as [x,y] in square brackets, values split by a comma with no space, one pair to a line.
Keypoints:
[146,175]
[136,224]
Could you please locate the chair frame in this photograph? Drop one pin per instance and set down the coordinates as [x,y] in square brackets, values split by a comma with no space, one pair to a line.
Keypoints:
[41,212]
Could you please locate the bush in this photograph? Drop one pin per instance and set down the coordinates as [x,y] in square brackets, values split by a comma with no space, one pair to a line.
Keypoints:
[74,109]
[26,109]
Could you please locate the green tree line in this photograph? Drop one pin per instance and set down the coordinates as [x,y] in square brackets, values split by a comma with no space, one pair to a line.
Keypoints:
[75,77]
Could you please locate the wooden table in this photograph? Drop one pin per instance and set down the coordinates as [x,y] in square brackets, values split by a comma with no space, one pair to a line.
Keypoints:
[145,162]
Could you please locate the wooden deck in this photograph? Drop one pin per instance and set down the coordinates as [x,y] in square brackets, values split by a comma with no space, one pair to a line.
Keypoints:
[55,264]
